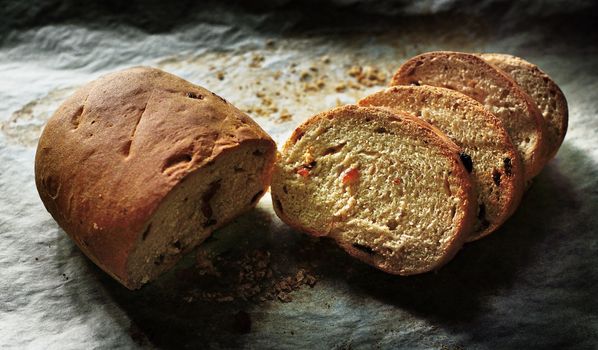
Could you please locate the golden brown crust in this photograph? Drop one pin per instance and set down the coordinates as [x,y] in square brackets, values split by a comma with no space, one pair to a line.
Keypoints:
[409,72]
[416,127]
[119,144]
[511,186]
[557,123]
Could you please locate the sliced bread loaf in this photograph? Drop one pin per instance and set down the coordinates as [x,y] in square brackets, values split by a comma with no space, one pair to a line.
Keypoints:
[546,93]
[388,187]
[488,85]
[140,166]
[495,165]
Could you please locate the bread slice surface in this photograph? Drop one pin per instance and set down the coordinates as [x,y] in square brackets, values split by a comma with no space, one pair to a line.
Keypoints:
[544,91]
[474,77]
[388,187]
[111,155]
[497,172]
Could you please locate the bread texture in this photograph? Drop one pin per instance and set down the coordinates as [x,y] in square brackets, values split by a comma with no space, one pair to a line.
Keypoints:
[496,169]
[140,166]
[543,90]
[390,189]
[471,75]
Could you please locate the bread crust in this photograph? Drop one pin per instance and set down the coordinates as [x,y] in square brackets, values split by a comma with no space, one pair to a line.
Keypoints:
[511,187]
[422,129]
[536,159]
[115,148]
[557,123]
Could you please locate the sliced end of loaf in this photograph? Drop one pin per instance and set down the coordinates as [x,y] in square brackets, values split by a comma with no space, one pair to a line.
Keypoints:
[471,75]
[202,202]
[543,90]
[387,187]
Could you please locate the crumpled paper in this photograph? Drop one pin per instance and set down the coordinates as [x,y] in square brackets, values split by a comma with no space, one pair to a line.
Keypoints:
[532,284]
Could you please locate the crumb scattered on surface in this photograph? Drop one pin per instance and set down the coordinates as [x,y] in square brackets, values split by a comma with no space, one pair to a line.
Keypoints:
[248,277]
[367,75]
[340,87]
[293,87]
[285,115]
[305,76]
[256,61]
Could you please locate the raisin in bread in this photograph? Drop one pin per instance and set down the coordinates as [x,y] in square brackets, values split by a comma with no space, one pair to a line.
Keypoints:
[495,164]
[544,91]
[488,85]
[140,166]
[387,187]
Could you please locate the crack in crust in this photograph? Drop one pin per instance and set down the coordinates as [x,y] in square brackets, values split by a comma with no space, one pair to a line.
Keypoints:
[127,147]
[76,118]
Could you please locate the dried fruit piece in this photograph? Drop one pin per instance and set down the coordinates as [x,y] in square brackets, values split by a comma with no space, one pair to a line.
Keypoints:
[467,162]
[303,172]
[496,177]
[304,169]
[350,176]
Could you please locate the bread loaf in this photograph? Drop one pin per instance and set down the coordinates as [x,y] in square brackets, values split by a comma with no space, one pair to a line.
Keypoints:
[471,75]
[390,189]
[544,91]
[140,166]
[496,169]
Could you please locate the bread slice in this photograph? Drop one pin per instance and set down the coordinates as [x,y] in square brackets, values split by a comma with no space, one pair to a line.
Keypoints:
[140,166]
[389,188]
[496,169]
[471,75]
[543,90]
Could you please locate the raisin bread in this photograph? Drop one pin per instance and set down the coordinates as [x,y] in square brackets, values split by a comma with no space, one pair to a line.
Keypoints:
[495,164]
[546,93]
[471,75]
[140,166]
[387,187]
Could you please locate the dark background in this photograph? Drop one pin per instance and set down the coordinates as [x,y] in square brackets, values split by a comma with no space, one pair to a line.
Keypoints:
[563,18]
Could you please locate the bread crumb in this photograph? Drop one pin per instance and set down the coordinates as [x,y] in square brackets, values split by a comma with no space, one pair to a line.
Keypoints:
[256,61]
[285,115]
[305,76]
[368,76]
[341,87]
[249,277]
[354,71]
[315,86]
[220,75]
